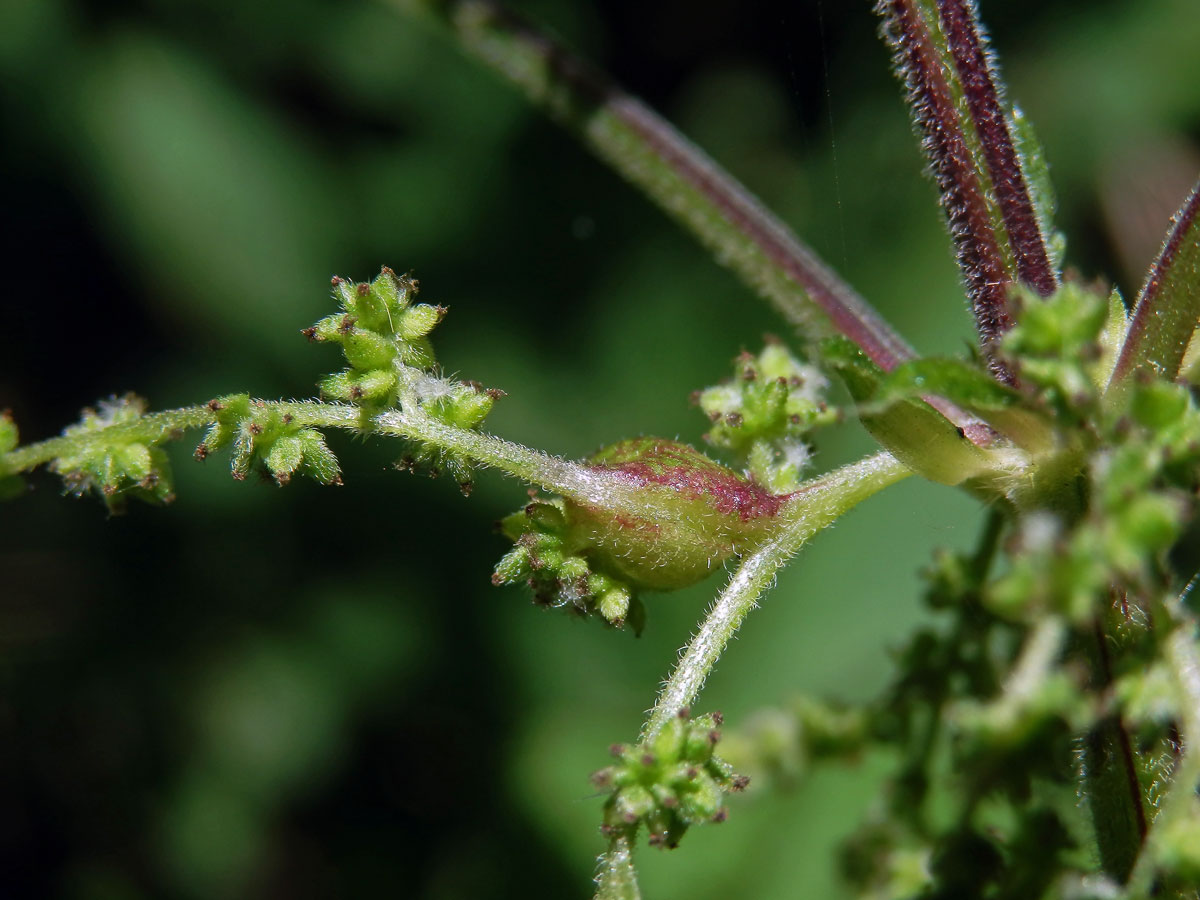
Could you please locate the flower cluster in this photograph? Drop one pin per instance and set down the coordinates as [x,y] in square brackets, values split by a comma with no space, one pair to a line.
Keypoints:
[384,336]
[764,413]
[670,782]
[380,330]
[266,438]
[548,557]
[120,463]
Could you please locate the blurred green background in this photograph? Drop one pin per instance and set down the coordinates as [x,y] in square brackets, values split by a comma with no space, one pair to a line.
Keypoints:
[315,692]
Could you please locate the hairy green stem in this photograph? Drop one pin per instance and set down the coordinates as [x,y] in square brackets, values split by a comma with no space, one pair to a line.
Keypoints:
[155,427]
[549,472]
[814,507]
[616,877]
[583,484]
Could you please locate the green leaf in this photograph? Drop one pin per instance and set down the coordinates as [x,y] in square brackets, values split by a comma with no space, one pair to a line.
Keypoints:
[914,432]
[1168,309]
[975,391]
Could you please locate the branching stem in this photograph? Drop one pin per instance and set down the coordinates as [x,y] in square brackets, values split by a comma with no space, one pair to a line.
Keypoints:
[817,506]
[814,508]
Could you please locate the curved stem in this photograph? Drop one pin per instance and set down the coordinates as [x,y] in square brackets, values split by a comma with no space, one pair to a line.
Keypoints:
[685,183]
[581,483]
[812,509]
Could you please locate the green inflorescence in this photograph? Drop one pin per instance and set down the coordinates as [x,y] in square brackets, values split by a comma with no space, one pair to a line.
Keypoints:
[1047,682]
[384,336]
[670,782]
[267,439]
[763,415]
[114,465]
[550,557]
[381,332]
[10,485]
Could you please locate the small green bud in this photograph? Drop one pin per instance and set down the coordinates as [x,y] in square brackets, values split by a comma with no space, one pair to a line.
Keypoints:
[463,407]
[668,744]
[765,413]
[1179,845]
[376,385]
[115,466]
[318,460]
[265,437]
[417,321]
[417,353]
[702,737]
[701,801]
[660,785]
[9,437]
[283,458]
[630,804]
[1158,404]
[368,350]
[614,602]
[334,328]
[392,290]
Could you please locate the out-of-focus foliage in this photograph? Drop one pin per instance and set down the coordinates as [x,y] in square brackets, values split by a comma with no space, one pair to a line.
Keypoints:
[181,179]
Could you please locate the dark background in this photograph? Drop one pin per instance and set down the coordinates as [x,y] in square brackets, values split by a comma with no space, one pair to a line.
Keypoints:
[314,691]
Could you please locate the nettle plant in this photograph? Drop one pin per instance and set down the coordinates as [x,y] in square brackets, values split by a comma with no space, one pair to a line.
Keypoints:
[1049,727]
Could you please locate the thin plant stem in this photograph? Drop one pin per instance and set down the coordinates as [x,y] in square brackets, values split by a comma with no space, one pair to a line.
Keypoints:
[647,151]
[964,195]
[616,876]
[814,507]
[974,65]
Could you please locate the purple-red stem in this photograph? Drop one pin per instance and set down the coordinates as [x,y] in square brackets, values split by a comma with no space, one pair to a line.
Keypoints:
[979,258]
[961,28]
[849,312]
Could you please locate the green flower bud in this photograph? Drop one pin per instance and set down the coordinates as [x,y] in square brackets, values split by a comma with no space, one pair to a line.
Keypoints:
[669,783]
[630,804]
[268,439]
[701,800]
[112,464]
[461,405]
[668,744]
[765,412]
[368,350]
[351,386]
[9,437]
[417,321]
[1179,845]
